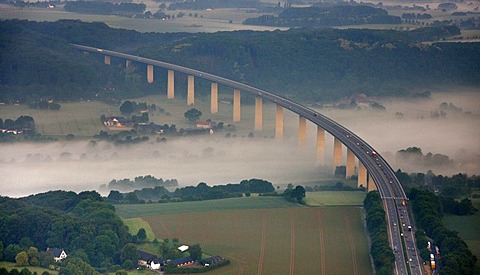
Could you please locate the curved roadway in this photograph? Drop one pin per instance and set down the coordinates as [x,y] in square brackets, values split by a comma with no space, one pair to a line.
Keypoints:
[392,193]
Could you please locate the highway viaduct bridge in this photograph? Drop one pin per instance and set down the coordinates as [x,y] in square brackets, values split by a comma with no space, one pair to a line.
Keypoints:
[374,172]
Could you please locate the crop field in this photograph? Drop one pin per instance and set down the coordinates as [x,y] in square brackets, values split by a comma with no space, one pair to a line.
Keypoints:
[264,235]
[299,240]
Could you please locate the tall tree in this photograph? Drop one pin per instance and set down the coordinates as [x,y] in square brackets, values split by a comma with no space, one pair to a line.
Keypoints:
[129,253]
[195,251]
[298,193]
[141,234]
[127,108]
[22,259]
[192,115]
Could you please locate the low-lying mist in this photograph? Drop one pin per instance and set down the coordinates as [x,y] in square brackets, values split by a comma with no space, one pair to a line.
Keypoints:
[28,168]
[33,168]
[419,123]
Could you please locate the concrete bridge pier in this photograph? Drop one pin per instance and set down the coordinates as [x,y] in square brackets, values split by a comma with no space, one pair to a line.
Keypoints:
[279,122]
[362,175]
[371,184]
[171,84]
[258,114]
[236,105]
[337,153]
[350,166]
[150,73]
[302,131]
[106,60]
[214,98]
[191,90]
[320,146]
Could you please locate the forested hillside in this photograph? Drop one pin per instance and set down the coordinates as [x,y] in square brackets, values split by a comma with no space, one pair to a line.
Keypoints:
[81,223]
[322,64]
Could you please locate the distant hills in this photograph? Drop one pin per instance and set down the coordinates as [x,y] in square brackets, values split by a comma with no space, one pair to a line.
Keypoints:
[321,64]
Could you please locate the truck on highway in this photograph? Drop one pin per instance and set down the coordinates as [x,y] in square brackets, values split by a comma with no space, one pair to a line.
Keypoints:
[432,264]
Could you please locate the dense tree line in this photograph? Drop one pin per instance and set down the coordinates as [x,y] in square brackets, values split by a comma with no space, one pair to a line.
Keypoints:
[416,16]
[380,250]
[319,64]
[193,193]
[23,271]
[415,156]
[140,182]
[94,7]
[456,256]
[82,224]
[24,123]
[340,15]
[450,187]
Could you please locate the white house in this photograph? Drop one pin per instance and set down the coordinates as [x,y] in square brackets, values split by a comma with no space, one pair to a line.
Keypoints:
[58,254]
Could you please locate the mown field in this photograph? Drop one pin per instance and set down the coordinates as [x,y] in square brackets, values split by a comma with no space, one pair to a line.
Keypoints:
[264,235]
[335,198]
[468,228]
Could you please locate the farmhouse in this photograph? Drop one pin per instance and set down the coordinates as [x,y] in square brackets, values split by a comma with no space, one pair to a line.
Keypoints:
[204,124]
[183,248]
[117,121]
[58,254]
[149,260]
[181,262]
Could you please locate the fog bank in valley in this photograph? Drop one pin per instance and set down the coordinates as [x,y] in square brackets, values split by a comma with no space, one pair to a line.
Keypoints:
[32,168]
[28,168]
[414,123]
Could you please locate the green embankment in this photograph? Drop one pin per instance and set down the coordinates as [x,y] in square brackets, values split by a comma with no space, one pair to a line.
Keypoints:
[134,224]
[468,228]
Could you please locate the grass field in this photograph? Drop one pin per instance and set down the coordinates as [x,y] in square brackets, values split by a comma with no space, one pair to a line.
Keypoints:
[468,228]
[135,224]
[79,118]
[275,241]
[334,198]
[9,266]
[83,118]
